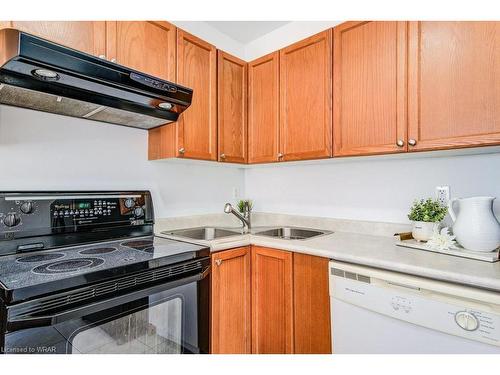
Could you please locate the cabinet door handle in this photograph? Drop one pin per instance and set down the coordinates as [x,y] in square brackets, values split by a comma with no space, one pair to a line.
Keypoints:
[218,262]
[102,57]
[400,143]
[113,60]
[280,155]
[182,151]
[412,142]
[222,156]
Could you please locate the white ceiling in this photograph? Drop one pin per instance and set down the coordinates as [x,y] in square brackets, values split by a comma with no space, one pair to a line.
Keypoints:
[246,31]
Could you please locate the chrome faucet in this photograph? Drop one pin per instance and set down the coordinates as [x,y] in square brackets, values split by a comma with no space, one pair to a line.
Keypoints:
[228,209]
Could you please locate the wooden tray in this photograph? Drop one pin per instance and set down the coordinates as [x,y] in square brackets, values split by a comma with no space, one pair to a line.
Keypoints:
[493,256]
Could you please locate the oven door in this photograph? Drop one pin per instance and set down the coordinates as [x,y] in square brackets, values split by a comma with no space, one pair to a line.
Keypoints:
[169,318]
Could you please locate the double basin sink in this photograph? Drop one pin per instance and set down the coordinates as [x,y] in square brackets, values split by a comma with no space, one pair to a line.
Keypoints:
[213,233]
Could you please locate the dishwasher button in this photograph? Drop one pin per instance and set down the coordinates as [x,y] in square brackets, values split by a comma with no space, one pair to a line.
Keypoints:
[466,321]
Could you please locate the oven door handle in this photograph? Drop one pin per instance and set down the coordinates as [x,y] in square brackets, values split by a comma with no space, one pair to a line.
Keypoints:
[30,321]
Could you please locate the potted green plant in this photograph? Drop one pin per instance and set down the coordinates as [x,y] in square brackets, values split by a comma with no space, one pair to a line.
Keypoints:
[426,215]
[245,207]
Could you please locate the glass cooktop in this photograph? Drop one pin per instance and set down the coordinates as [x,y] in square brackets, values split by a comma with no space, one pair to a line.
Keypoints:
[45,271]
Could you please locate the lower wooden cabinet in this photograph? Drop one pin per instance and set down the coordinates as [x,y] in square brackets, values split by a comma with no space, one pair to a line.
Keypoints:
[231,301]
[272,301]
[311,305]
[269,301]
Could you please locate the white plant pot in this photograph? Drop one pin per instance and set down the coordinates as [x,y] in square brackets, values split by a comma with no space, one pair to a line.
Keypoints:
[423,231]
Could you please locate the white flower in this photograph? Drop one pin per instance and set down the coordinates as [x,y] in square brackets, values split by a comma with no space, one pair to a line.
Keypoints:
[442,240]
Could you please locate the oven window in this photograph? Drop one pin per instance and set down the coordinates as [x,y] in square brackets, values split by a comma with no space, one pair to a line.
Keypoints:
[155,330]
[171,321]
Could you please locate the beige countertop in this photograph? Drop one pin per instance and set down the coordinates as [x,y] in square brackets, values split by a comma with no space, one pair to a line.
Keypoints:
[371,250]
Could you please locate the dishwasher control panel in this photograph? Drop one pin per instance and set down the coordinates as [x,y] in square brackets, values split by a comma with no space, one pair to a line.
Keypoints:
[446,313]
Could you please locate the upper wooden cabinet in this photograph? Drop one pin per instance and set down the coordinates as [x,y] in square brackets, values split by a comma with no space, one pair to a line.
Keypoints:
[454,84]
[85,36]
[197,69]
[232,108]
[145,46]
[369,88]
[272,301]
[306,98]
[231,312]
[263,109]
[194,135]
[311,301]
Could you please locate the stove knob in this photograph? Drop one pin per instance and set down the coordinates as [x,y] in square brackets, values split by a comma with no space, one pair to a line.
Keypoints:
[27,207]
[129,203]
[11,220]
[138,212]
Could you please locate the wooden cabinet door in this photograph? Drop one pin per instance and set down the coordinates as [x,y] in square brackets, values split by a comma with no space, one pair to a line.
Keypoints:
[454,84]
[311,302]
[231,310]
[263,109]
[232,108]
[197,69]
[306,98]
[145,46]
[85,36]
[272,301]
[369,88]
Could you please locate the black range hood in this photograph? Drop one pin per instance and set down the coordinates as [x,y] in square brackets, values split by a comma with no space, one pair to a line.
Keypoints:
[41,75]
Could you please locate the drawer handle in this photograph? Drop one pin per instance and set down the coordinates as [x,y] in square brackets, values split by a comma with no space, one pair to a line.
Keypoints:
[218,262]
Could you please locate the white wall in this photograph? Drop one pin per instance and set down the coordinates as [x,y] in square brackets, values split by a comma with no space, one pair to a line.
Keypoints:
[45,151]
[375,188]
[210,34]
[281,37]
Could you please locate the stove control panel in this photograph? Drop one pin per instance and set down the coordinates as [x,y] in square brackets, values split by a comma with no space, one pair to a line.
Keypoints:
[28,214]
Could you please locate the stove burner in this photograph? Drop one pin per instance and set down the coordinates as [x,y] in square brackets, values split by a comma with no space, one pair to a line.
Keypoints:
[138,244]
[70,265]
[141,245]
[149,250]
[97,250]
[40,257]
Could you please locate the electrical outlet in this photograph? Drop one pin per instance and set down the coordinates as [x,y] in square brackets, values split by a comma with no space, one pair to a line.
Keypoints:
[443,194]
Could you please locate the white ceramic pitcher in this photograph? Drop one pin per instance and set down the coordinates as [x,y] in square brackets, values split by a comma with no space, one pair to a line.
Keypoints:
[476,227]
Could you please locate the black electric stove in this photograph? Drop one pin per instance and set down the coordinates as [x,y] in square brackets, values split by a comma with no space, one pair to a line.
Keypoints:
[80,266]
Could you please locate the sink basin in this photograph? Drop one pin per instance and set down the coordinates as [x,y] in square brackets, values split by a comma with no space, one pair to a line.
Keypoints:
[290,233]
[203,233]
